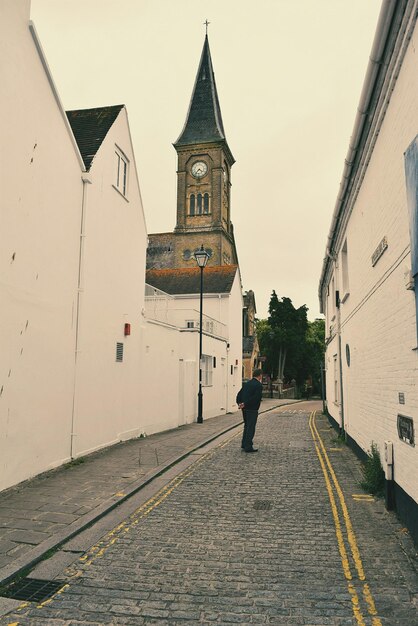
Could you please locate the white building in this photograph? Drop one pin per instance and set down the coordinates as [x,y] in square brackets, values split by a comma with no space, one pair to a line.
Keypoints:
[41,204]
[367,282]
[81,360]
[174,302]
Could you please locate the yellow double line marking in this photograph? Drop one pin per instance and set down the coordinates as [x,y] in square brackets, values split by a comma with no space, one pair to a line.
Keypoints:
[99,549]
[332,485]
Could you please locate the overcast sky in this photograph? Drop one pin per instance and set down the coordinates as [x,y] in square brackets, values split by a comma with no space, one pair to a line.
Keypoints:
[289,75]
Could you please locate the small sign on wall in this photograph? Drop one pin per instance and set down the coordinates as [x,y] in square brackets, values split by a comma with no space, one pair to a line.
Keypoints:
[379,250]
[406,429]
[401,397]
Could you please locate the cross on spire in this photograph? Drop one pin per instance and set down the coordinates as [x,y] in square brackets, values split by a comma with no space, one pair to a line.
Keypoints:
[206,23]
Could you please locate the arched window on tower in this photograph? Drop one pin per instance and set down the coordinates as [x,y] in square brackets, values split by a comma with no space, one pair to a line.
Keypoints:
[206,203]
[192,204]
[199,204]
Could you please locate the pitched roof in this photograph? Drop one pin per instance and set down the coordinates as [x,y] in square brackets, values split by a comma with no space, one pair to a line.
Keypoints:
[204,120]
[248,344]
[216,279]
[90,127]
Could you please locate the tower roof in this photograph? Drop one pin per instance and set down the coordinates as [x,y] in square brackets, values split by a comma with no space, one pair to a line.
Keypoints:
[204,119]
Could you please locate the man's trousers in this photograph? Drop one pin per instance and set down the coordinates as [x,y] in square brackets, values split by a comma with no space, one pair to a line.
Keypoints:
[250,422]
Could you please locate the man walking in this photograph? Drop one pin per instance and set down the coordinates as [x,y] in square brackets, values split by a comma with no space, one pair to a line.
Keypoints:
[248,399]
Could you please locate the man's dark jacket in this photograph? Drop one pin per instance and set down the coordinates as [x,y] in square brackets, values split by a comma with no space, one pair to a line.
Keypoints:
[250,395]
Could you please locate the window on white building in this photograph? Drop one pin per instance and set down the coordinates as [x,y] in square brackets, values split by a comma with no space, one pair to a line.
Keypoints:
[344,267]
[332,307]
[207,370]
[121,172]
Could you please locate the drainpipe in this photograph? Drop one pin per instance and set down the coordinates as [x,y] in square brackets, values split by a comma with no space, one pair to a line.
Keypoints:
[340,359]
[86,179]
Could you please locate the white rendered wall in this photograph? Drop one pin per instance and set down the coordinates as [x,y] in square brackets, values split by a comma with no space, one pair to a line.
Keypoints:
[378,319]
[40,204]
[226,308]
[107,406]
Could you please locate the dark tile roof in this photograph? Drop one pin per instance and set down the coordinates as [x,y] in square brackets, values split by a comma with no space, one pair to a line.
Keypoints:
[204,120]
[248,344]
[90,127]
[217,279]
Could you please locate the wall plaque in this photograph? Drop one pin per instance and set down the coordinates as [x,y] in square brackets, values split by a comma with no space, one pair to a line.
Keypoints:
[379,250]
[406,429]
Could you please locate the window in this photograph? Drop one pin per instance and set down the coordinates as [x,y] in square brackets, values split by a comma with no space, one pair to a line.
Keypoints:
[208,326]
[411,173]
[332,294]
[207,370]
[344,265]
[121,172]
[199,204]
[206,203]
[192,204]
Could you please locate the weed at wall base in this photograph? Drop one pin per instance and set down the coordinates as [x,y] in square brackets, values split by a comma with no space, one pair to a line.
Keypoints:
[373,475]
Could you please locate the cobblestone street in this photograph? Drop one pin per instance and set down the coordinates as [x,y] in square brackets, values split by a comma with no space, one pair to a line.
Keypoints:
[269,538]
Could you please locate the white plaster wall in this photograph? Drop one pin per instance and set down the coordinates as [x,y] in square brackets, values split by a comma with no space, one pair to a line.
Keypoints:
[226,308]
[158,378]
[108,403]
[378,317]
[40,182]
[169,377]
[232,316]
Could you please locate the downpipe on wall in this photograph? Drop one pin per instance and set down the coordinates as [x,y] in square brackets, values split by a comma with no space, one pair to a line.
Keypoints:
[86,180]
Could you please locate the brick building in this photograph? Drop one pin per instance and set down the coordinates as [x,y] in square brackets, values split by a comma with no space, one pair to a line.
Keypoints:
[370,270]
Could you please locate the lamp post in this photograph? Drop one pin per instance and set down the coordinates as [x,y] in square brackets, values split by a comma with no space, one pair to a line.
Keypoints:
[201,257]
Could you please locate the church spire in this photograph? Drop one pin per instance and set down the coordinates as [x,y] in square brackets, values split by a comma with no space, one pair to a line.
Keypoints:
[204,119]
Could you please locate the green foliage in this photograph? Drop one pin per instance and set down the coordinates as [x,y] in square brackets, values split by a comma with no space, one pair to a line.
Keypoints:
[373,475]
[75,462]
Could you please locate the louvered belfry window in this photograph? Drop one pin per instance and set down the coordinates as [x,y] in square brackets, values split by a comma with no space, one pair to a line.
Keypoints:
[206,203]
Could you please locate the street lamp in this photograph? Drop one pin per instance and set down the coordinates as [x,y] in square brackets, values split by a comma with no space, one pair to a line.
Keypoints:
[201,257]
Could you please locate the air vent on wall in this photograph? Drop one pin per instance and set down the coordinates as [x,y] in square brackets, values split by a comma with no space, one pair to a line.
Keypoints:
[119,352]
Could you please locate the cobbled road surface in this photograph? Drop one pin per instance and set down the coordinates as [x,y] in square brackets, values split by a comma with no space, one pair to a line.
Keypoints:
[285,536]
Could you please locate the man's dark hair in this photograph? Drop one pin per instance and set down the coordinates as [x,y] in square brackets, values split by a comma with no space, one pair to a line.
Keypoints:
[257,373]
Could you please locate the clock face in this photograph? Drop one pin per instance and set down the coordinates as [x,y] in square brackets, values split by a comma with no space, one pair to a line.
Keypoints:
[199,169]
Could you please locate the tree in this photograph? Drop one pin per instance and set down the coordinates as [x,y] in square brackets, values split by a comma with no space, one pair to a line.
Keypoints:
[282,337]
[315,349]
[294,347]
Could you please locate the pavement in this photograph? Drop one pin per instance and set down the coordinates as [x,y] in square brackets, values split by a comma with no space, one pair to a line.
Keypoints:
[216,536]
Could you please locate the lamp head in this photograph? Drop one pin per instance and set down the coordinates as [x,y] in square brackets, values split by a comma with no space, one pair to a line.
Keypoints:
[201,257]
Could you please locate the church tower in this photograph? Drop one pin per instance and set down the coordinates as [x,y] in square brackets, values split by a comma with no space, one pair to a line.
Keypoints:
[204,172]
[203,183]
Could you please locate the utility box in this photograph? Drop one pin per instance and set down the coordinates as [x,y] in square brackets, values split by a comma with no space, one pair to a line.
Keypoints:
[389,485]
[389,452]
